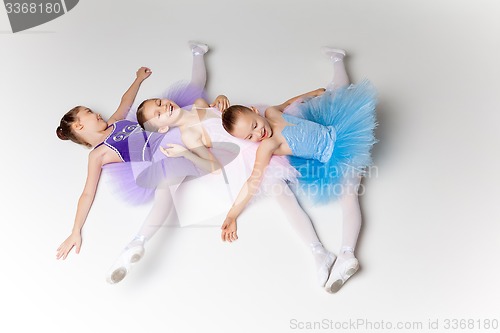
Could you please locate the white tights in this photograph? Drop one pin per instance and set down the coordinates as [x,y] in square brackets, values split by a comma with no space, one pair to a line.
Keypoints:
[351,217]
[199,72]
[303,227]
[340,77]
[161,212]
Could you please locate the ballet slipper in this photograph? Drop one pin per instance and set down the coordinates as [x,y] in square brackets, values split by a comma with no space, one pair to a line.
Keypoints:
[325,268]
[123,264]
[341,272]
[324,261]
[198,48]
[334,54]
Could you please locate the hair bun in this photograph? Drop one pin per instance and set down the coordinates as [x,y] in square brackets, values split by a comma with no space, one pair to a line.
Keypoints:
[60,133]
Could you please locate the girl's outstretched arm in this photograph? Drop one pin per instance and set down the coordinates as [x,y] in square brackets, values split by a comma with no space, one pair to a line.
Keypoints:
[129,96]
[84,204]
[249,189]
[313,93]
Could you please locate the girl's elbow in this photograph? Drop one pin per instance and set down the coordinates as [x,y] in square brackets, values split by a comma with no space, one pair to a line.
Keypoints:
[87,195]
[200,102]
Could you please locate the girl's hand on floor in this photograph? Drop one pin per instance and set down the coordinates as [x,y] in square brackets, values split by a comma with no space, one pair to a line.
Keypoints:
[229,230]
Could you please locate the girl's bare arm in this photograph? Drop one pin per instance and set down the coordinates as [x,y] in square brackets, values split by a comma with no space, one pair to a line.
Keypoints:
[128,97]
[249,189]
[314,93]
[84,204]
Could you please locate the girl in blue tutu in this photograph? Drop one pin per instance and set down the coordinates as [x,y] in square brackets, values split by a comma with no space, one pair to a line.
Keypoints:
[328,135]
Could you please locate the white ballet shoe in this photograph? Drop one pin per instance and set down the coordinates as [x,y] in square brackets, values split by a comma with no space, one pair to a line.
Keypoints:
[198,48]
[122,266]
[324,261]
[341,272]
[334,54]
[325,268]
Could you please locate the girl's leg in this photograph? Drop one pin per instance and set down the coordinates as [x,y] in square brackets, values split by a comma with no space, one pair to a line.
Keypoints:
[199,74]
[347,264]
[161,212]
[302,225]
[340,78]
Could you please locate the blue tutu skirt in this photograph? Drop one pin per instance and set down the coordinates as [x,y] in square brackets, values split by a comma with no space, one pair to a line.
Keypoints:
[351,111]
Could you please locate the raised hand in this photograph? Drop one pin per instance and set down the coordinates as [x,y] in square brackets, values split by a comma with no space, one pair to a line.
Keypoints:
[143,73]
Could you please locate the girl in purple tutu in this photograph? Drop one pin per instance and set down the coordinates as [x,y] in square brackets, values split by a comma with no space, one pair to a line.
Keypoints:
[123,146]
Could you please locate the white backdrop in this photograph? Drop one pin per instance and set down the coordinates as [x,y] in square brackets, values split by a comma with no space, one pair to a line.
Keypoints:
[429,246]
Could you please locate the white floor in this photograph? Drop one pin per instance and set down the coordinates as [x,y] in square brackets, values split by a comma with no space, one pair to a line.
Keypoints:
[429,245]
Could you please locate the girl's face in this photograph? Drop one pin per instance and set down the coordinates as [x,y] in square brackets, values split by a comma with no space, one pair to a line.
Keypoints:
[161,113]
[89,120]
[250,125]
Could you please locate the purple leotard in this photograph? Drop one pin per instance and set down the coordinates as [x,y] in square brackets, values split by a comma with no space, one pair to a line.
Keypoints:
[135,149]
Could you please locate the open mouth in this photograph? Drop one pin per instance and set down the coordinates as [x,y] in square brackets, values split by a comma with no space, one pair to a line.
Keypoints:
[264,133]
[170,110]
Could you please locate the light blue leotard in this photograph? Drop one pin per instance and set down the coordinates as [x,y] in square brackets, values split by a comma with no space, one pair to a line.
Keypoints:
[308,139]
[332,139]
